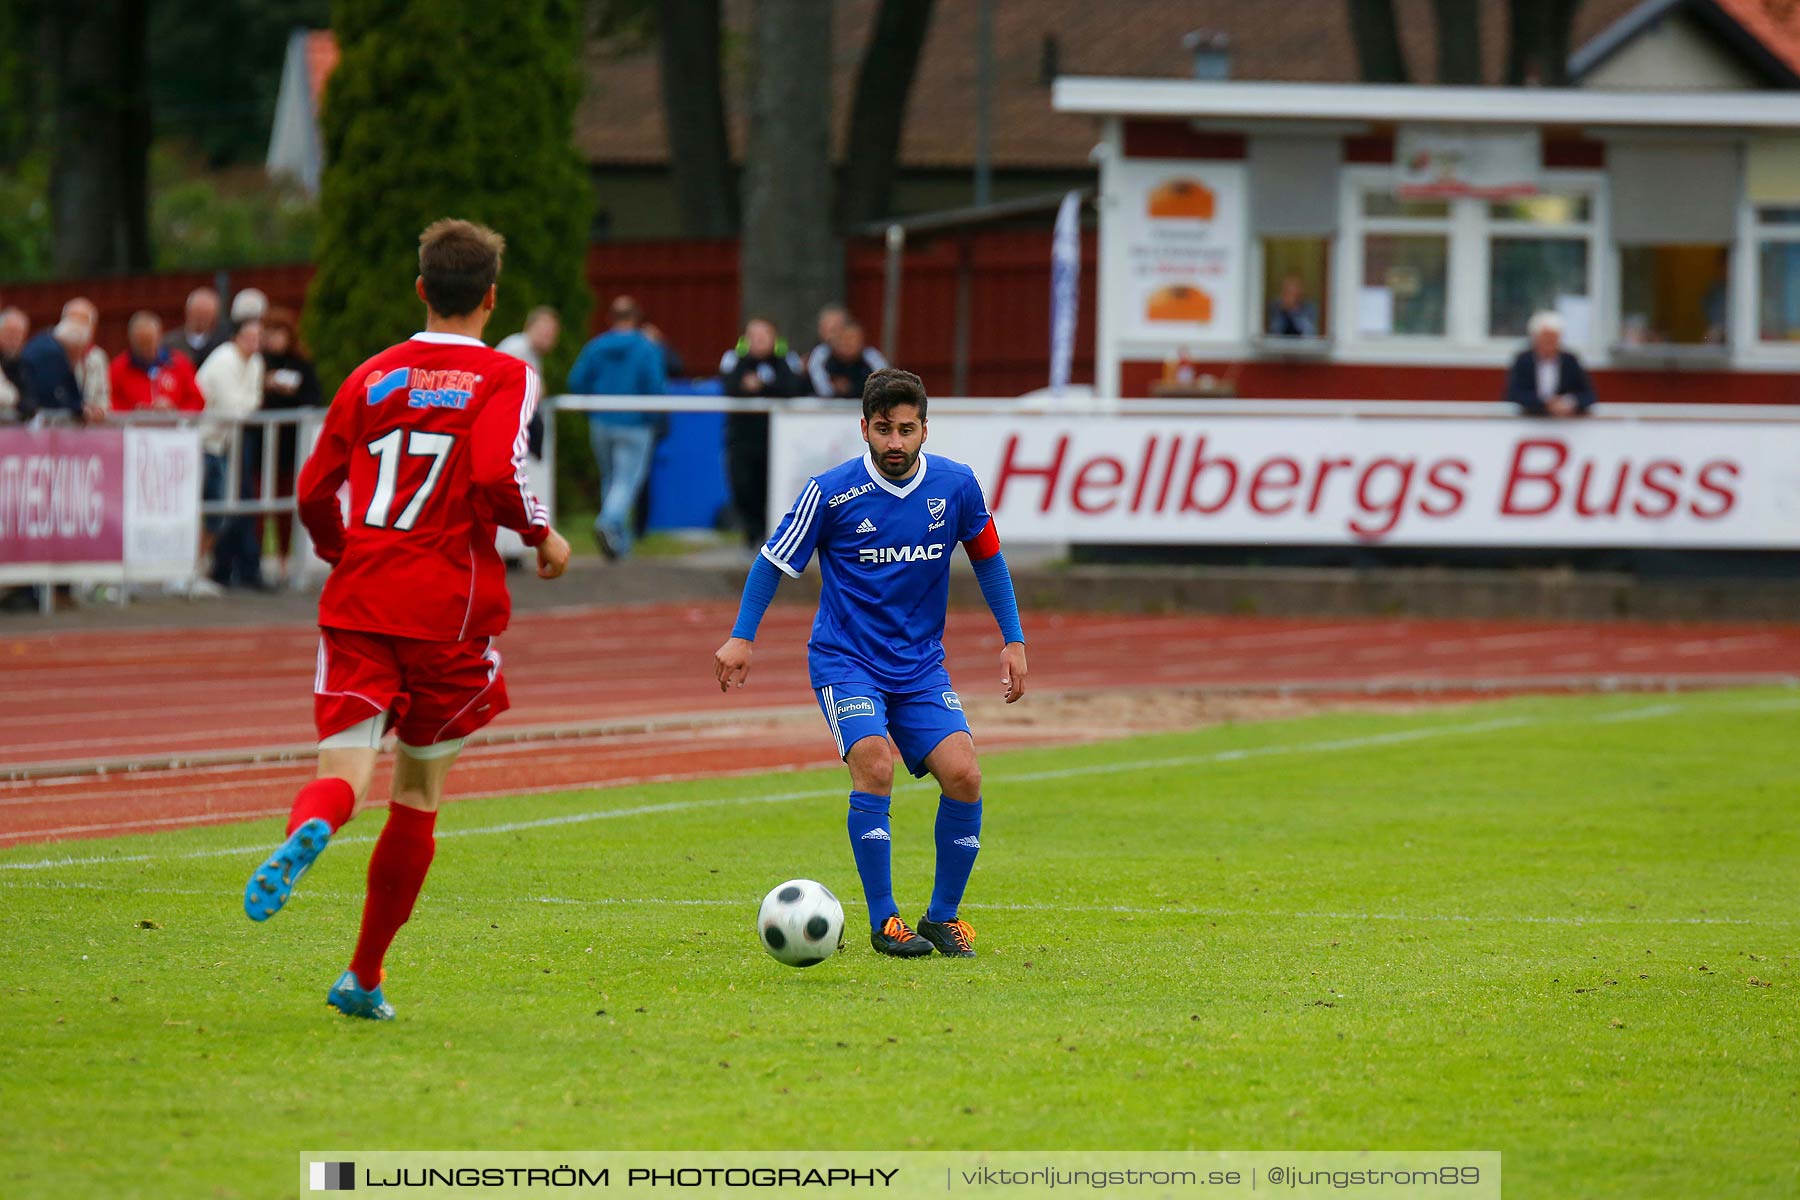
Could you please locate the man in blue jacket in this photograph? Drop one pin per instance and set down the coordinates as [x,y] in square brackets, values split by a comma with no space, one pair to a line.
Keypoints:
[620,362]
[47,367]
[1546,380]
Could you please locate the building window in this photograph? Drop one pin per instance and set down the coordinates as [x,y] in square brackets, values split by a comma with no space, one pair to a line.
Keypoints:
[1538,259]
[1778,274]
[1674,294]
[1405,284]
[1295,286]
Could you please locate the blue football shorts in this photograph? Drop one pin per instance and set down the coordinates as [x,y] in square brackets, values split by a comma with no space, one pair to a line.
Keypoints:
[917,720]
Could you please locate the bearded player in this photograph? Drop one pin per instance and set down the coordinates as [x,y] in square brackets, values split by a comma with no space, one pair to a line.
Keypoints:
[431,437]
[884,526]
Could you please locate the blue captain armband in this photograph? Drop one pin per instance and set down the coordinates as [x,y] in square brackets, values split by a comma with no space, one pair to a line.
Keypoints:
[759,590]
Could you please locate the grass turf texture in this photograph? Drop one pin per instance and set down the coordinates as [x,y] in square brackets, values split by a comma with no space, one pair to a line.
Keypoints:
[1560,928]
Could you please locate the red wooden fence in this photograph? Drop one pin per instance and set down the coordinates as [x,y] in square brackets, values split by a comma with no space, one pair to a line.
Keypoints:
[690,290]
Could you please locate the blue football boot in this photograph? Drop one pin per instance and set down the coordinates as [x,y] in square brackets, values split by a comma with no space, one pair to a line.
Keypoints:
[272,883]
[349,998]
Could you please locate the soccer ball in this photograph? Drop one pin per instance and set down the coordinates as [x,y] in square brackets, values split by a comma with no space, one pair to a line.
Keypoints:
[801,923]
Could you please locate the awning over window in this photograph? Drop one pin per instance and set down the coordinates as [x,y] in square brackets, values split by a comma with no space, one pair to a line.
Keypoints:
[1673,193]
[1294,185]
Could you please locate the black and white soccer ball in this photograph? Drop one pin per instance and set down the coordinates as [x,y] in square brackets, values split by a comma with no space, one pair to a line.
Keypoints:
[801,923]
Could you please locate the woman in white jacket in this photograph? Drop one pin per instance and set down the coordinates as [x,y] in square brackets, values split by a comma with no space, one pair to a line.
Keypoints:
[231,379]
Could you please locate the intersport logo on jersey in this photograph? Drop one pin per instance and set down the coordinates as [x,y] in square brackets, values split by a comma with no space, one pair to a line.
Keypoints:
[1448,481]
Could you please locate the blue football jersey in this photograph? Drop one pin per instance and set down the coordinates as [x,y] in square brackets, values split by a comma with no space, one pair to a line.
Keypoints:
[884,557]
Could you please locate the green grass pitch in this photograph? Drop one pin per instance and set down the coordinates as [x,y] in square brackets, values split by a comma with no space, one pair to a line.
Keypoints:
[1565,929]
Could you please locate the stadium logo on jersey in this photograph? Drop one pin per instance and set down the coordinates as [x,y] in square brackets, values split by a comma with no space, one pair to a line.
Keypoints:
[867,526]
[852,494]
[383,384]
[897,554]
[854,706]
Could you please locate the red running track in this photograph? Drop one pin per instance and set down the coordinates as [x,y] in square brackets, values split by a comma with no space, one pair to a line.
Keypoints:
[154,695]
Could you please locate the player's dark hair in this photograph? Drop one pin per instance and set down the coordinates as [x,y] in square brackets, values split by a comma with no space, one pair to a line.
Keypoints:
[459,261]
[891,386]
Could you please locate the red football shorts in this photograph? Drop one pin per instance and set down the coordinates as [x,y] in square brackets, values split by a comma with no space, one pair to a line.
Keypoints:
[434,691]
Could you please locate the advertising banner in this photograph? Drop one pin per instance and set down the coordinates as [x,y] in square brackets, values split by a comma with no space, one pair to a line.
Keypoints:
[1275,480]
[1180,229]
[61,496]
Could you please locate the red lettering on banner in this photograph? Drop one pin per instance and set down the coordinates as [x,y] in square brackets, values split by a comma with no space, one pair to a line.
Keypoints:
[1727,497]
[1326,467]
[1083,482]
[1162,496]
[1517,474]
[1653,485]
[1197,469]
[1611,508]
[1393,506]
[1049,474]
[1261,481]
[1453,492]
[1137,497]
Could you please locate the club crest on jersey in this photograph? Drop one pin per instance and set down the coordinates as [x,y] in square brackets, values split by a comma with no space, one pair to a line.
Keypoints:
[935,506]
[424,389]
[897,554]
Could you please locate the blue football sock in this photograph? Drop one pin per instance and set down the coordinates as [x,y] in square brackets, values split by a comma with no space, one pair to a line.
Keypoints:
[958,842]
[870,843]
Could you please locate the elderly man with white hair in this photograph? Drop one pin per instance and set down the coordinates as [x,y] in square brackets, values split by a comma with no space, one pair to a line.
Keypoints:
[1546,380]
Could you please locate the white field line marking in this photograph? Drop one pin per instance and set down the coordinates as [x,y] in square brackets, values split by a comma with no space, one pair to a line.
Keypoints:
[1397,737]
[1394,738]
[1120,909]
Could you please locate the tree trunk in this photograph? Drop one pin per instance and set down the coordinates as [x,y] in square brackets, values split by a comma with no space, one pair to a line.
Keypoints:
[694,110]
[1539,49]
[791,260]
[1458,41]
[878,113]
[98,192]
[1377,37]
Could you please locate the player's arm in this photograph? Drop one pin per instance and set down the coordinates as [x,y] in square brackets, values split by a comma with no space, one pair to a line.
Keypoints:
[501,440]
[785,553]
[997,589]
[316,490]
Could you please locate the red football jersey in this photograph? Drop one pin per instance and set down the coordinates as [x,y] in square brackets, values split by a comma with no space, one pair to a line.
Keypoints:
[431,435]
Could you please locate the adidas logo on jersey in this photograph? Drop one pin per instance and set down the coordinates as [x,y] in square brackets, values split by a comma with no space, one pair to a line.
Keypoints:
[867,526]
[969,843]
[876,835]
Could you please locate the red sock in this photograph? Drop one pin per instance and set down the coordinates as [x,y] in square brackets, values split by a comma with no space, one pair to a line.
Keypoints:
[331,799]
[396,873]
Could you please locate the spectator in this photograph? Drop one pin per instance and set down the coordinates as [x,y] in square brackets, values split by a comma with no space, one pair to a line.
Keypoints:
[199,334]
[543,328]
[14,326]
[93,370]
[620,362]
[759,367]
[833,319]
[673,367]
[47,365]
[289,382]
[231,379]
[150,376]
[250,304]
[845,365]
[1292,314]
[1546,380]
